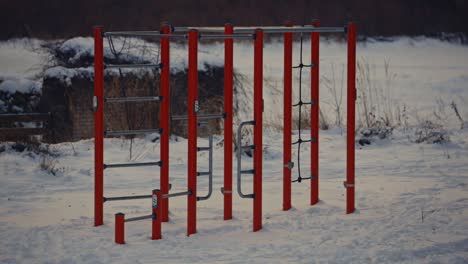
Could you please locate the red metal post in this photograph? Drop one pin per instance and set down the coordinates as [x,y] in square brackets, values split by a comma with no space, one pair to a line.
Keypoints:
[258,117]
[287,116]
[192,131]
[164,116]
[314,117]
[350,158]
[228,103]
[120,228]
[98,127]
[156,214]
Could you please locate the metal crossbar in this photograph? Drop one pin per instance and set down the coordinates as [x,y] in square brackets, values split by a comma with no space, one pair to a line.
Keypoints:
[119,66]
[128,165]
[142,34]
[223,36]
[295,29]
[131,132]
[121,198]
[199,117]
[169,195]
[139,218]
[132,99]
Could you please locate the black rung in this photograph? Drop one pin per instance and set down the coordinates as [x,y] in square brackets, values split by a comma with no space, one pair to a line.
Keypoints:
[132,132]
[248,147]
[150,65]
[200,117]
[301,179]
[133,99]
[139,218]
[169,195]
[203,173]
[299,141]
[120,198]
[127,165]
[304,103]
[203,148]
[303,65]
[247,171]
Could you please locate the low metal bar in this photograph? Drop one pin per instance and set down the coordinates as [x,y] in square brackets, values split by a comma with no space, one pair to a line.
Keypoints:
[119,66]
[122,198]
[307,29]
[247,171]
[239,159]
[222,36]
[303,141]
[169,195]
[199,117]
[203,149]
[210,171]
[200,29]
[132,99]
[131,132]
[203,173]
[142,34]
[128,165]
[139,218]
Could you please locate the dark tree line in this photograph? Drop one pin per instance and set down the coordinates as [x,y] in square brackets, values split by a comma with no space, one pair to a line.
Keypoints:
[64,18]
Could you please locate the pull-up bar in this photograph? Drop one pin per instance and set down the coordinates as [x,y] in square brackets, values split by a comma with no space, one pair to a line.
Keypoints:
[295,29]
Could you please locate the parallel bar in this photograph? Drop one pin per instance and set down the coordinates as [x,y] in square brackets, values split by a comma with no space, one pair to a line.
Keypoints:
[258,130]
[164,117]
[192,132]
[303,141]
[350,133]
[98,127]
[170,195]
[287,127]
[131,132]
[128,165]
[228,127]
[314,117]
[143,34]
[247,171]
[227,36]
[203,149]
[199,117]
[119,66]
[203,173]
[133,99]
[266,29]
[138,218]
[123,198]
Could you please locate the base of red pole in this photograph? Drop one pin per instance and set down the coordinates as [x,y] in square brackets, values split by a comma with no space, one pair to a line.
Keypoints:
[120,228]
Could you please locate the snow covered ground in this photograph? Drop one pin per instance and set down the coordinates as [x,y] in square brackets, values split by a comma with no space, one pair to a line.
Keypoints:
[412,199]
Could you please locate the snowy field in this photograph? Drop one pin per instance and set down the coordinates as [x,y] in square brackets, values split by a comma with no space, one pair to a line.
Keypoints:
[411,199]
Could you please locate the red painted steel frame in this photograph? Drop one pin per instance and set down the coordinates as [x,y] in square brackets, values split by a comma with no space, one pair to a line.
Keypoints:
[164,115]
[192,131]
[287,128]
[157,213]
[228,103]
[350,158]
[314,117]
[120,228]
[258,117]
[98,127]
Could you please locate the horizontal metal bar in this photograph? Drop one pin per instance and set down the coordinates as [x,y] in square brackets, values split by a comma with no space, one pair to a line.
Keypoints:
[25,117]
[247,171]
[132,99]
[306,29]
[203,148]
[223,36]
[199,117]
[200,29]
[139,218]
[121,198]
[306,103]
[303,141]
[203,173]
[169,195]
[303,65]
[128,165]
[131,132]
[149,65]
[142,34]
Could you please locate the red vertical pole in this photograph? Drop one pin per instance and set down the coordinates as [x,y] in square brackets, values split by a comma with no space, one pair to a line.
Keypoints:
[156,214]
[120,228]
[192,131]
[98,127]
[287,129]
[351,119]
[258,117]
[228,103]
[164,116]
[314,117]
